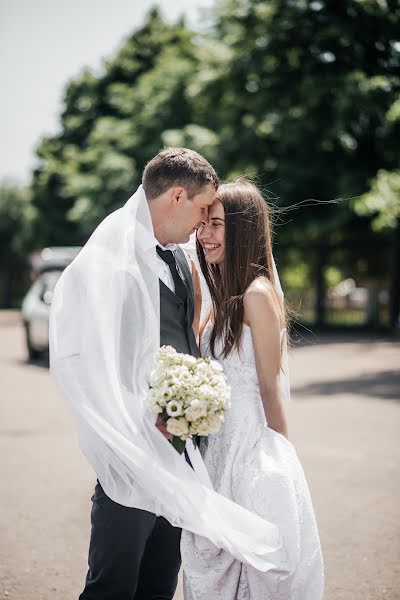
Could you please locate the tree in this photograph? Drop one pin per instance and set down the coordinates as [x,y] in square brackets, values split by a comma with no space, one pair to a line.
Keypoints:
[383,203]
[16,217]
[302,100]
[302,93]
[112,124]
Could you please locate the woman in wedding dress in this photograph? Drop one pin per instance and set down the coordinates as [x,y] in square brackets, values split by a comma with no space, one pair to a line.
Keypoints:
[250,459]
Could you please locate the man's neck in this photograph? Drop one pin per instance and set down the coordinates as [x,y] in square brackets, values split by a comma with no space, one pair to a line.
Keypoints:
[166,246]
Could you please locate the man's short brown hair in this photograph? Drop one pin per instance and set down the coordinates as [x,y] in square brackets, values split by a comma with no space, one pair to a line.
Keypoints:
[177,167]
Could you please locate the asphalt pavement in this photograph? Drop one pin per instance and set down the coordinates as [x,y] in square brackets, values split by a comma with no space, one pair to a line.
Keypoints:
[344,421]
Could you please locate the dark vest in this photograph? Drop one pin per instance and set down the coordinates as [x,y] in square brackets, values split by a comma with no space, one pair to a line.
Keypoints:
[176,318]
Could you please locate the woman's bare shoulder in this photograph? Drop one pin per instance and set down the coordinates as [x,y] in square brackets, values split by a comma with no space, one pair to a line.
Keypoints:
[260,300]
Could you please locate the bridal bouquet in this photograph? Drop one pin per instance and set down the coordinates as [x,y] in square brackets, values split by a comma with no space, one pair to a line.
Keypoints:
[191,394]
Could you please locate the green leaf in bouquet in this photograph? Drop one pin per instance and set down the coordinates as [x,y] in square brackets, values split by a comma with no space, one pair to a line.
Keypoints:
[178,444]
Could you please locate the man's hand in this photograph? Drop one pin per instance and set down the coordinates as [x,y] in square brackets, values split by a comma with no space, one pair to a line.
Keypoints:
[163,428]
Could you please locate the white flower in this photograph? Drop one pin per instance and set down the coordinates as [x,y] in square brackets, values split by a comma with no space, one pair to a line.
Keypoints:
[166,392]
[216,367]
[214,423]
[185,374]
[171,381]
[157,377]
[167,356]
[195,381]
[189,361]
[192,392]
[178,427]
[156,407]
[217,380]
[205,391]
[196,410]
[174,408]
[201,427]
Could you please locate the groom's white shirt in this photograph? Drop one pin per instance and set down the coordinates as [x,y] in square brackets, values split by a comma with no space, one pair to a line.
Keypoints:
[164,271]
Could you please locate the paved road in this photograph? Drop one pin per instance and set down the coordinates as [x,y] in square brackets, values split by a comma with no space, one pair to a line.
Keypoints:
[345,422]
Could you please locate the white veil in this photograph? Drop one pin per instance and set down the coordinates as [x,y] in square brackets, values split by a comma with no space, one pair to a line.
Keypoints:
[104,332]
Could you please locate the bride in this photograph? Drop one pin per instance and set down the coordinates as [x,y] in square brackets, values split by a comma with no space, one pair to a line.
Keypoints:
[250,460]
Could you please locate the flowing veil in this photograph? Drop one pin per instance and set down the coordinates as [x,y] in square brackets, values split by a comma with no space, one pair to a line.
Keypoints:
[104,333]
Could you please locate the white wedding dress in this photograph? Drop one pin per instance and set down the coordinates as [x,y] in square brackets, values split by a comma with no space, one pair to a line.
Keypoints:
[259,469]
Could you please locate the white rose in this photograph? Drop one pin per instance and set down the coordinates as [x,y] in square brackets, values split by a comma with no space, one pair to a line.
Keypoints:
[189,361]
[205,391]
[196,381]
[174,408]
[202,370]
[201,427]
[216,367]
[157,377]
[214,423]
[178,427]
[196,410]
[218,380]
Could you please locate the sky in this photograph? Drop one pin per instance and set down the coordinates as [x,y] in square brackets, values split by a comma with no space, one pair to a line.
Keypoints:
[45,43]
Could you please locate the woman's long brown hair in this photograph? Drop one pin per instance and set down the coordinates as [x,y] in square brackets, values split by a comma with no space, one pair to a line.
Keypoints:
[248,254]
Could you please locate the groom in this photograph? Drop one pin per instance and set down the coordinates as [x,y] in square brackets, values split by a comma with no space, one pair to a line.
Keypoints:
[133,554]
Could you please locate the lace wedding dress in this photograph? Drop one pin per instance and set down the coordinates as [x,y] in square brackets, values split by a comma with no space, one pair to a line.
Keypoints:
[259,469]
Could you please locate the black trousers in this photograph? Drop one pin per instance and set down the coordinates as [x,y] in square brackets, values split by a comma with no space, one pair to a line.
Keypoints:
[133,554]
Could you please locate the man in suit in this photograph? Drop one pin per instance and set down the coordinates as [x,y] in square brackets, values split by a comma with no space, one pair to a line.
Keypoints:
[133,554]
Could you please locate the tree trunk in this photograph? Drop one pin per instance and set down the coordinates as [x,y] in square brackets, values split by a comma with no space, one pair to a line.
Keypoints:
[372,308]
[320,284]
[394,307]
[6,280]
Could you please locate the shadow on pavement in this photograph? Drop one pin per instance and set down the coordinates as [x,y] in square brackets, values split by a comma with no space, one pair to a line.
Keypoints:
[316,338]
[41,363]
[384,385]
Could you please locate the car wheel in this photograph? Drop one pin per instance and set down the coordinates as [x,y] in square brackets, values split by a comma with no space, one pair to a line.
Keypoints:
[33,354]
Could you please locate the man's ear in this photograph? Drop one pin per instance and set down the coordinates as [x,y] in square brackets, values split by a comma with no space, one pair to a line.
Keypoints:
[179,193]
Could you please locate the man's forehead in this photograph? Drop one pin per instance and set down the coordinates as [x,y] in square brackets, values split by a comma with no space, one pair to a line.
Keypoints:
[207,195]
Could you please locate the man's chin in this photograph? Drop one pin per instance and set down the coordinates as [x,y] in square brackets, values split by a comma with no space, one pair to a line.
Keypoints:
[184,239]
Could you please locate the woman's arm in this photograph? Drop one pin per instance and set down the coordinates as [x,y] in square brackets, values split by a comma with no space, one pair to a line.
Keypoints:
[262,313]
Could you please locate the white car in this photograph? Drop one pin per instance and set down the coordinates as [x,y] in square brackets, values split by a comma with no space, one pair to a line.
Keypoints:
[47,267]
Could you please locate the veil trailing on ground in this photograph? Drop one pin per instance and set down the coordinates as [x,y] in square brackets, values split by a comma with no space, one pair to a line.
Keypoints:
[104,333]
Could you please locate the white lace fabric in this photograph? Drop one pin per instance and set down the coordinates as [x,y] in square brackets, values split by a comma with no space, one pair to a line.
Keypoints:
[257,468]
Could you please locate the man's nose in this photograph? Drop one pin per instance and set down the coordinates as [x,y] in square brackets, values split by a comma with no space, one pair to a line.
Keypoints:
[203,229]
[203,221]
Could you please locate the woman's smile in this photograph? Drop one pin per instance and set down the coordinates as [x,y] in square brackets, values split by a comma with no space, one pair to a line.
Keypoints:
[211,234]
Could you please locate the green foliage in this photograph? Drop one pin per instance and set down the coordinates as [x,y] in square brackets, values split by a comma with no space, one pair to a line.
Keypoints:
[16,218]
[307,99]
[308,86]
[112,124]
[382,201]
[305,94]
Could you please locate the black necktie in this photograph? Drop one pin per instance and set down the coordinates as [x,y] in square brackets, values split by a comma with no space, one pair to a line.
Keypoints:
[168,257]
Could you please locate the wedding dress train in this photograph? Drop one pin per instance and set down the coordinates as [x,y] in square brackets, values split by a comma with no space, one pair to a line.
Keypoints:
[259,469]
